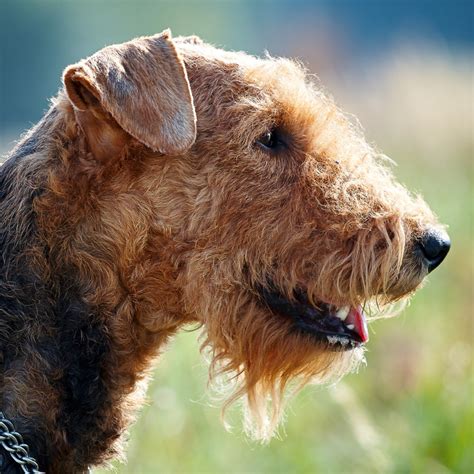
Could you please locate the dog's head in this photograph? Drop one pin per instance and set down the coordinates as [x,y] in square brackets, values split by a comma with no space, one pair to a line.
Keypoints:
[278,223]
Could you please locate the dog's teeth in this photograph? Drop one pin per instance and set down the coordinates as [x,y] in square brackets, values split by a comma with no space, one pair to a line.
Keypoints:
[342,313]
[335,340]
[350,326]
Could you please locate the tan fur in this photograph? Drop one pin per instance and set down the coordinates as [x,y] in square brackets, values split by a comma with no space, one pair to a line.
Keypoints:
[164,225]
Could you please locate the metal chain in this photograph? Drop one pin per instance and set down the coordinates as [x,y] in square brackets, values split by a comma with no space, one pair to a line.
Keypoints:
[13,443]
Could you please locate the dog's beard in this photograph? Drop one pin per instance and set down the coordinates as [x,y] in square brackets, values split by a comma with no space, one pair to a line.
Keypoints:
[257,358]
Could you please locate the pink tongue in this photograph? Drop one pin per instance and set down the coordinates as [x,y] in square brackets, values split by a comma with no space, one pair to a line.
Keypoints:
[357,318]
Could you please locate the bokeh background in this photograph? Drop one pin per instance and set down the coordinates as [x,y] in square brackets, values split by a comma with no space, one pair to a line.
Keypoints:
[405,69]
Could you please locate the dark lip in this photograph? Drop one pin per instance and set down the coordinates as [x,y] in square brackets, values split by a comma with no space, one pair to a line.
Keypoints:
[317,321]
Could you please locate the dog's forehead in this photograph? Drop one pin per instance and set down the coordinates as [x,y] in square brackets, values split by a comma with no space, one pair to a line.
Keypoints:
[196,50]
[259,69]
[274,82]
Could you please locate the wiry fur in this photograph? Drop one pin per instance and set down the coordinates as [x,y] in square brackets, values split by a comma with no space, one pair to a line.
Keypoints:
[108,247]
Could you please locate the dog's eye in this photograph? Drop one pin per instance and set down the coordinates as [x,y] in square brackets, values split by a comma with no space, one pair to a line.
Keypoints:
[270,140]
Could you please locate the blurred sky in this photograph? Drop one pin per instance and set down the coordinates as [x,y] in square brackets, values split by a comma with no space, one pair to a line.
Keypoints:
[40,37]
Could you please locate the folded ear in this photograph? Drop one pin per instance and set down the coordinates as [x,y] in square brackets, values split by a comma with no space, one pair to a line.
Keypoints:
[144,87]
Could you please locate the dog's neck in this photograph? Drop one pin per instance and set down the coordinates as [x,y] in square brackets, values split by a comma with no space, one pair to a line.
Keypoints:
[67,260]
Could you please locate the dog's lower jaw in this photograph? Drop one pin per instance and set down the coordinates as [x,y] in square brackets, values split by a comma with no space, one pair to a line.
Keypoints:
[343,328]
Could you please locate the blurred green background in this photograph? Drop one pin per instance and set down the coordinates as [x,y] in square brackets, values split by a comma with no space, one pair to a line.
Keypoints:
[405,69]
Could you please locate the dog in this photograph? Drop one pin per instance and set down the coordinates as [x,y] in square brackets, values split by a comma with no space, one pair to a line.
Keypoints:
[174,183]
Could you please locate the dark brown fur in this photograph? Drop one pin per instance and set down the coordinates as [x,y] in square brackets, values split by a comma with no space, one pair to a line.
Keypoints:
[141,203]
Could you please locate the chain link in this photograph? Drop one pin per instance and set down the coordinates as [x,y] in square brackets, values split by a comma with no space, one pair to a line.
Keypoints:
[13,443]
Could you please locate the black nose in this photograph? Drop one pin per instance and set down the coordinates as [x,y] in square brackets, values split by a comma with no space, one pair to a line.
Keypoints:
[434,245]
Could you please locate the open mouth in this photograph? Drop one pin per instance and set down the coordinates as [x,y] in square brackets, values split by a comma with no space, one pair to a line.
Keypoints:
[344,327]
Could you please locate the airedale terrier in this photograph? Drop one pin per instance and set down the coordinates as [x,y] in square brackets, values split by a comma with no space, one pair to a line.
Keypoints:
[173,183]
